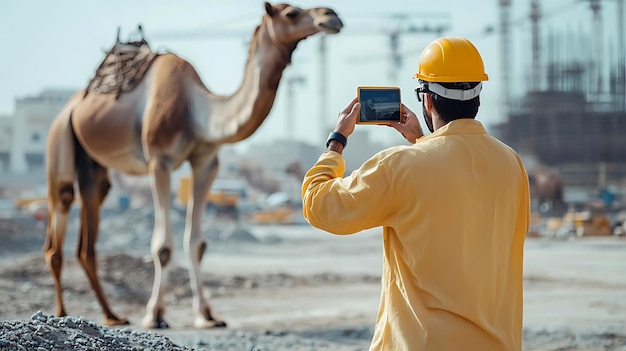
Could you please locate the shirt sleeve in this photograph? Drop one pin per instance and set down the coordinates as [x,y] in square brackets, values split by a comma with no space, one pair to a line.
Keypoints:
[524,220]
[346,205]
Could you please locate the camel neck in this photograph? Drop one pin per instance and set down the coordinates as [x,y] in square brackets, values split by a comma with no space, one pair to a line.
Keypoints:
[236,117]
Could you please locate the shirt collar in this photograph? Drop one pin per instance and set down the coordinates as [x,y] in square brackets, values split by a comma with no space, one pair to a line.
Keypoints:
[458,126]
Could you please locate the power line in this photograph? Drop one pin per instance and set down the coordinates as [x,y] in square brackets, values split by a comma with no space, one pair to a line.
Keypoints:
[245,25]
[489,30]
[404,25]
[382,15]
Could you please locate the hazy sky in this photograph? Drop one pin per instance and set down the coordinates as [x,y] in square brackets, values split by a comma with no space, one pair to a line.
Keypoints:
[60,43]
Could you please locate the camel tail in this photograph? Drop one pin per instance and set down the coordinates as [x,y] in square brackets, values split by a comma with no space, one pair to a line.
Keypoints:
[60,175]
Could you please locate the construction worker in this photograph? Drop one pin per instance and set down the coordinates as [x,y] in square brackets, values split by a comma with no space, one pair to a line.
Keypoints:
[454,209]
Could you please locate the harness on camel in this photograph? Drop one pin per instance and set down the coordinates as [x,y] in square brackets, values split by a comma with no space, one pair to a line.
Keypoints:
[123,66]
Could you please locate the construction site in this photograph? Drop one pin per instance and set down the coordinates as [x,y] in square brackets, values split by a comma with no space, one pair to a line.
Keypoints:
[569,120]
[565,113]
[280,283]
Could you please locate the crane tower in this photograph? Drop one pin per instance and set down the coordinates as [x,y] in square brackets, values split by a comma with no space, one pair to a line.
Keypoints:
[505,53]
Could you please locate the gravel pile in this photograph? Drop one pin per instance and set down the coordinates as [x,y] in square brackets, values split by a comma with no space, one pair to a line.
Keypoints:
[47,333]
[42,333]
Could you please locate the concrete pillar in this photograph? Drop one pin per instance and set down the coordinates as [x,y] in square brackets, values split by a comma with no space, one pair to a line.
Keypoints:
[17,160]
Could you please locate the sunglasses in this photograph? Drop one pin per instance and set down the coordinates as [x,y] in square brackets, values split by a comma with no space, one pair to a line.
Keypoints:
[419,91]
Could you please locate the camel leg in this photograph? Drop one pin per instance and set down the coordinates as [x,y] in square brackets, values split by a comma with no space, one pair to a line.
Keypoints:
[94,184]
[161,246]
[60,173]
[61,196]
[204,171]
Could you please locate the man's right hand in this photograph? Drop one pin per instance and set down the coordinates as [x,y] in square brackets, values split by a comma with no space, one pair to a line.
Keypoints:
[409,126]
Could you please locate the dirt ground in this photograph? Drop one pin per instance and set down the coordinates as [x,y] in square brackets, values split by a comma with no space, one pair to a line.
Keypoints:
[296,278]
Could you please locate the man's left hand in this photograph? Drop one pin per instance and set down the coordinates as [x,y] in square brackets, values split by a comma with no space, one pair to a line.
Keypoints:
[347,118]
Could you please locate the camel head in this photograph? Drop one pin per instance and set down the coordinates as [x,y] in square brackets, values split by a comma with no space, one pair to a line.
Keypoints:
[289,24]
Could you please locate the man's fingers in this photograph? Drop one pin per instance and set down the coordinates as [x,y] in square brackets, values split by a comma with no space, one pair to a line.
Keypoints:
[350,106]
[355,108]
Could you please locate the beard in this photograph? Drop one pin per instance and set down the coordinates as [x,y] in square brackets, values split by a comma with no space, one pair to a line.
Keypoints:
[428,118]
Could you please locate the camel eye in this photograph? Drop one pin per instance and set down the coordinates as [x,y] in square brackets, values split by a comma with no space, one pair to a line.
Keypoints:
[292,14]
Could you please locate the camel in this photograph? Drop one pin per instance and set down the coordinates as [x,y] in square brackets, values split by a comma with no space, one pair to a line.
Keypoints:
[546,188]
[169,117]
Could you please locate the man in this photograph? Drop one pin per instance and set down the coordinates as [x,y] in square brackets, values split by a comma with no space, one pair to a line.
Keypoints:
[454,207]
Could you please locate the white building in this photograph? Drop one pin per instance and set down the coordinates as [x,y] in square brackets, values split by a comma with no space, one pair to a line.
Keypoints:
[24,138]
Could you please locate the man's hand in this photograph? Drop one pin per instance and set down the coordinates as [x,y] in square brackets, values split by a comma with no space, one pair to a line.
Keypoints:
[409,125]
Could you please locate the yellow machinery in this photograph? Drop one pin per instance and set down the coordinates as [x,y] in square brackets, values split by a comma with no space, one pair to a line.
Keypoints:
[219,199]
[583,223]
[589,223]
[25,202]
[278,215]
[36,206]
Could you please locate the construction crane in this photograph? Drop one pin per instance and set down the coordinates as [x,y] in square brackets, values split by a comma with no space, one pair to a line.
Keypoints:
[621,81]
[596,50]
[505,54]
[535,16]
[404,24]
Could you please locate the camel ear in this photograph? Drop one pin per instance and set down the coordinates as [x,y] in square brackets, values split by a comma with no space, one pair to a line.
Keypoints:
[269,9]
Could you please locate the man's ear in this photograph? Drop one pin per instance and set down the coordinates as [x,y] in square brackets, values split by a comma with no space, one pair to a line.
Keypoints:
[269,9]
[428,101]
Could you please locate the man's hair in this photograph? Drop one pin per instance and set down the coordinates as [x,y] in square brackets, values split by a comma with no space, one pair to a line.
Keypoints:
[450,110]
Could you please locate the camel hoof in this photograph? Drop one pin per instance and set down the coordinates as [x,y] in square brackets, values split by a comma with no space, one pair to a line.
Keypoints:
[150,323]
[115,321]
[160,325]
[157,325]
[201,323]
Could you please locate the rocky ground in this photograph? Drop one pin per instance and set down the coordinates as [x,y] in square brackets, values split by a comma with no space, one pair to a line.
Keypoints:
[279,288]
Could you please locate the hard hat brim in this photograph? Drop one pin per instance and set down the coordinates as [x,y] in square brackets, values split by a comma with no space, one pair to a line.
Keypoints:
[467,79]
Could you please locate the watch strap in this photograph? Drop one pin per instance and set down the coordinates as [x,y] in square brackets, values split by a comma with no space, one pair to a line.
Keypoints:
[340,138]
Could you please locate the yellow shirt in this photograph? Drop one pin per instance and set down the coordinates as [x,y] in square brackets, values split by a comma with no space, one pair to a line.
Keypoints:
[454,208]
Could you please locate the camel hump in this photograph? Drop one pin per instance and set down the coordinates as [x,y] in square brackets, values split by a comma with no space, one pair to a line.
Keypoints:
[123,66]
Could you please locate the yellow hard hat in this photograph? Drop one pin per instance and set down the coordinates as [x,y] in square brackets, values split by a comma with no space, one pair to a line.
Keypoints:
[451,60]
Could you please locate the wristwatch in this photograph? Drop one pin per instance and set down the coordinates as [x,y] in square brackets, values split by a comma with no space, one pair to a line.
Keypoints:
[337,137]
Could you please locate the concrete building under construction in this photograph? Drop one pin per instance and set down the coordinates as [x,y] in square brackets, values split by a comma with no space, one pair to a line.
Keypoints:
[573,114]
